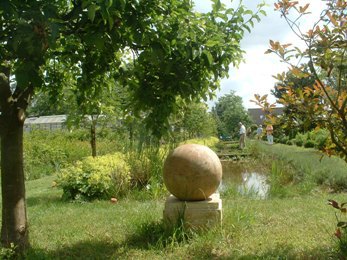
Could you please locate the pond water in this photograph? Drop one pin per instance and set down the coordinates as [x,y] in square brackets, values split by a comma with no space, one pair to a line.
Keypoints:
[246,179]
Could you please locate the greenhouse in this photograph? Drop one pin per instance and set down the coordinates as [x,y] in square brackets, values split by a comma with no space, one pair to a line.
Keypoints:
[45,122]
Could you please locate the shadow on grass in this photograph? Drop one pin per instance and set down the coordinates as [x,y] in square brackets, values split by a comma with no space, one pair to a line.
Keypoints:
[81,250]
[44,199]
[152,236]
[280,252]
[134,249]
[155,235]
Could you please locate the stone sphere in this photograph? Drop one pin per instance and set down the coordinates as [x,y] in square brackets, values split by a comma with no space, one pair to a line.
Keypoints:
[192,172]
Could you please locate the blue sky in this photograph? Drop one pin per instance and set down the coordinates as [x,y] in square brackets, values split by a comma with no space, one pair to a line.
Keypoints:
[254,76]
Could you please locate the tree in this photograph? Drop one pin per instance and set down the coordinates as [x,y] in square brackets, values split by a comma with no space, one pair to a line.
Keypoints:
[194,120]
[56,96]
[229,111]
[295,118]
[325,55]
[176,52]
[198,122]
[96,108]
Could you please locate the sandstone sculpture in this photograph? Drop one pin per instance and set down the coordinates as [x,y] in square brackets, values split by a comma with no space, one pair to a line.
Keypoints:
[192,172]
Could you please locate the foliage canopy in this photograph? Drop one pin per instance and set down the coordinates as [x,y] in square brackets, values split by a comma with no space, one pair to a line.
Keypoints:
[173,51]
[325,101]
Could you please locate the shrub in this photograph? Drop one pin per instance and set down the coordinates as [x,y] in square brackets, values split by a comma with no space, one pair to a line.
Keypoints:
[309,143]
[211,142]
[139,168]
[146,170]
[45,151]
[316,138]
[41,159]
[283,139]
[300,139]
[320,137]
[95,178]
[78,134]
[290,142]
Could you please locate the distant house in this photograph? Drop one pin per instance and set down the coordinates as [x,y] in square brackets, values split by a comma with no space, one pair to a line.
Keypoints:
[258,115]
[45,122]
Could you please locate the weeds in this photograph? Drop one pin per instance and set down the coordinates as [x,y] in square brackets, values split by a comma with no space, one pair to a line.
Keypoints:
[8,253]
[158,235]
[341,226]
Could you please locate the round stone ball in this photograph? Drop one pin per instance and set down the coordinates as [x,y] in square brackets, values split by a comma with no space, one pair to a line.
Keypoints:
[192,172]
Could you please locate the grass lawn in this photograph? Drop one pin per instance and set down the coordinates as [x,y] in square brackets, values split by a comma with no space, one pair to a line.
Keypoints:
[299,227]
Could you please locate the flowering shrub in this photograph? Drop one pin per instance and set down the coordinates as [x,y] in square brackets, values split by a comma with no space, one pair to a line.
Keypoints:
[95,178]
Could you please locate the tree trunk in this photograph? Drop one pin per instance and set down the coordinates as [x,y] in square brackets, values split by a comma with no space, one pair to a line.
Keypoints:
[93,138]
[14,227]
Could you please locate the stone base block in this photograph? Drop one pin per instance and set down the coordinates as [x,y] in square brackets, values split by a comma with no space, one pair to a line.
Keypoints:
[195,214]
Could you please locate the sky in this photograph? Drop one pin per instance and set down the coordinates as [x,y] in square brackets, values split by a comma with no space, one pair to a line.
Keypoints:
[254,76]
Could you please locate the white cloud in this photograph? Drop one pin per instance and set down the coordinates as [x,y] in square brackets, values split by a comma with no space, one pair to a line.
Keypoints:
[255,75]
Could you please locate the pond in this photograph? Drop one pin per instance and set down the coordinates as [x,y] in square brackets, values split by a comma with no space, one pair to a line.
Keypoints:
[246,179]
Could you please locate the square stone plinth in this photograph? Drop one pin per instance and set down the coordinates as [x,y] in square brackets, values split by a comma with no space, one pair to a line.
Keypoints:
[195,214]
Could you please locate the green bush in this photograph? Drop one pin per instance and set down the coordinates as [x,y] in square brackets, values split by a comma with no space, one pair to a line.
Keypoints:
[139,168]
[95,178]
[320,137]
[300,139]
[41,159]
[309,143]
[146,167]
[314,139]
[45,152]
[290,142]
[211,142]
[283,139]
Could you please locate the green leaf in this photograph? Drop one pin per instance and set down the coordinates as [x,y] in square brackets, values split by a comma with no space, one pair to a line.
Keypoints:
[262,12]
[217,5]
[91,11]
[99,43]
[26,73]
[251,23]
[247,27]
[208,57]
[110,22]
[211,43]
[109,3]
[122,4]
[85,3]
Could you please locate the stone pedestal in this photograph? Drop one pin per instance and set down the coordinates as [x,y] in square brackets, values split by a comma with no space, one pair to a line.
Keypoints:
[195,214]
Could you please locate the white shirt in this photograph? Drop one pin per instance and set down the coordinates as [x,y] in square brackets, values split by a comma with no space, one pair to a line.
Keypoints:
[242,129]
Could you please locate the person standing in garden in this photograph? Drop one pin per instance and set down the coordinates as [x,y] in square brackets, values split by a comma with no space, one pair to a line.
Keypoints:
[269,131]
[242,136]
[259,132]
